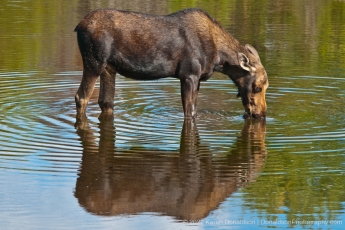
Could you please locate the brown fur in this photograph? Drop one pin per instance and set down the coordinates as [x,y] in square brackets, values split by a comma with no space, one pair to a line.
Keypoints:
[188,45]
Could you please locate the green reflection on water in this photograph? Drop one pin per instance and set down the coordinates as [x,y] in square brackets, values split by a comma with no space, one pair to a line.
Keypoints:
[302,186]
[33,34]
[292,37]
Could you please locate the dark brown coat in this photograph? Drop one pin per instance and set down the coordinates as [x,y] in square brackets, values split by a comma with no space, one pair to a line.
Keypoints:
[188,45]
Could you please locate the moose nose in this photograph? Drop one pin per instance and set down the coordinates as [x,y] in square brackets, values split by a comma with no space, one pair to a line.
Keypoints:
[260,115]
[254,115]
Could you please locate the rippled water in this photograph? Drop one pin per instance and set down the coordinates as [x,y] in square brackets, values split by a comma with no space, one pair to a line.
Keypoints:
[146,167]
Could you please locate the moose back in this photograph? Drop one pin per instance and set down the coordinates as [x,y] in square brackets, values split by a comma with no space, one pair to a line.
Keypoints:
[188,45]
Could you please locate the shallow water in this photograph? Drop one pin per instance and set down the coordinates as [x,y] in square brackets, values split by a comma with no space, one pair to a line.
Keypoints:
[145,167]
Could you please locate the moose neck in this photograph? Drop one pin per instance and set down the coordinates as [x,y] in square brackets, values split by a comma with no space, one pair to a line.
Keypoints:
[227,49]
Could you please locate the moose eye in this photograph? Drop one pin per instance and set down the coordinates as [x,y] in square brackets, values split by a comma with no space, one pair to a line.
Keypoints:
[257,90]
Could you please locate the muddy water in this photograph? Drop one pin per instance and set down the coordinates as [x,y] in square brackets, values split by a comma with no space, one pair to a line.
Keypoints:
[145,167]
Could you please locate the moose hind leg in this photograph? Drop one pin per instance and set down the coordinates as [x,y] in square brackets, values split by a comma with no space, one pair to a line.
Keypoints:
[107,90]
[85,90]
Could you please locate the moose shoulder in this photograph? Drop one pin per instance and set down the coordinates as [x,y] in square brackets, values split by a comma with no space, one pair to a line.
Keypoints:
[188,45]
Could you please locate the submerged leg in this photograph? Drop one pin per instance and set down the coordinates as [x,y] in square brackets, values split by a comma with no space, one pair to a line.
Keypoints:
[107,90]
[189,92]
[94,54]
[85,90]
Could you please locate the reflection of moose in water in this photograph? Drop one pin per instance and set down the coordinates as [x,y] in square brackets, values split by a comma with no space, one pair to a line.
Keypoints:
[186,185]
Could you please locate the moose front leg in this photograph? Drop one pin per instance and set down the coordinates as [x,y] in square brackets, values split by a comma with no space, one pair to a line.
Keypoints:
[107,90]
[189,92]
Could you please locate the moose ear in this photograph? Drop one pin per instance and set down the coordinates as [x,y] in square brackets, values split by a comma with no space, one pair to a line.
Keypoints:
[253,51]
[244,62]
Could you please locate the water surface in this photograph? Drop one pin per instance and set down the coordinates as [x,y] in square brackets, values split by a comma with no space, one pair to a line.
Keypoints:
[146,167]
